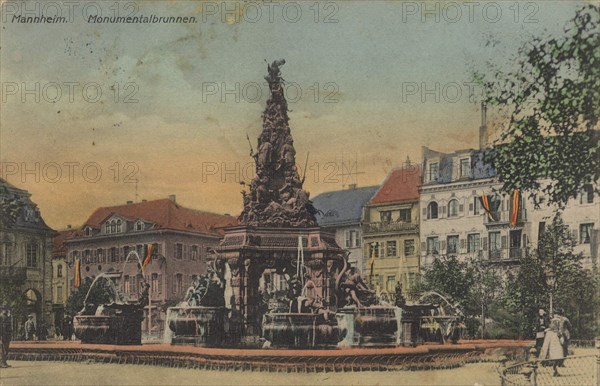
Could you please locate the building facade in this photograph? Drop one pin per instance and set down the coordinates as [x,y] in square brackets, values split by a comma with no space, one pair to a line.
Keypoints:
[342,211]
[25,259]
[113,243]
[455,221]
[60,275]
[391,231]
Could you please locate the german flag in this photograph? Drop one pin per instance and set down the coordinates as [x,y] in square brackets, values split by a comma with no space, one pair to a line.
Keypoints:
[148,258]
[515,207]
[491,204]
[77,281]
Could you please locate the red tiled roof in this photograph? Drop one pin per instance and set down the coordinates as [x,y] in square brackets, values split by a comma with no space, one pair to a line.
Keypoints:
[58,242]
[165,214]
[400,185]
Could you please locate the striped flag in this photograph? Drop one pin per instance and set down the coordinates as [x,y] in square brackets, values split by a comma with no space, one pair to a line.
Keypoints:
[515,207]
[77,281]
[148,258]
[372,262]
[491,204]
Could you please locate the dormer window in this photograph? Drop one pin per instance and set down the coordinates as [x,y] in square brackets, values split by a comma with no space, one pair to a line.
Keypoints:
[139,226]
[434,169]
[113,226]
[87,231]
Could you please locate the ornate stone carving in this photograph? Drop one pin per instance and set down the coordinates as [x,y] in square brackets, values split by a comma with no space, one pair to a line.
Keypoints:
[276,196]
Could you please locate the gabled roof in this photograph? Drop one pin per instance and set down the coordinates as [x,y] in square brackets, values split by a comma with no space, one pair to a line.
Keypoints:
[59,249]
[401,184]
[165,214]
[342,206]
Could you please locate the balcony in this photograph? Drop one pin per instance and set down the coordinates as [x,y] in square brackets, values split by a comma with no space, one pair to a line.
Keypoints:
[504,218]
[13,275]
[390,227]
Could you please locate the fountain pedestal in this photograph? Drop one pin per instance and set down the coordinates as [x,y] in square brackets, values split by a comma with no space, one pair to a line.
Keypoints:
[373,326]
[199,326]
[300,330]
[111,324]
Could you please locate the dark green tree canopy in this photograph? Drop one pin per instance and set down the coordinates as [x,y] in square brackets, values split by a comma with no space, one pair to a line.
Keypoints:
[551,101]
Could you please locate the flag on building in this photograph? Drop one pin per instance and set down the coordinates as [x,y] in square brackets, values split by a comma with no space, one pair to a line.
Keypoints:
[148,259]
[491,204]
[515,207]
[77,281]
[372,262]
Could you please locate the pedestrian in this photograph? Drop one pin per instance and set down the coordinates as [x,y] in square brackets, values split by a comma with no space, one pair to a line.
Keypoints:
[67,328]
[5,336]
[542,323]
[30,329]
[552,349]
[565,328]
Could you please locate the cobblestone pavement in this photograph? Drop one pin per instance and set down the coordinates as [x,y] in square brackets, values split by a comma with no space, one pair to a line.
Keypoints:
[53,373]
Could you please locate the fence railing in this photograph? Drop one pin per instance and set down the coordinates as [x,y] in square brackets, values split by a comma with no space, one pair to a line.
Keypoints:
[579,370]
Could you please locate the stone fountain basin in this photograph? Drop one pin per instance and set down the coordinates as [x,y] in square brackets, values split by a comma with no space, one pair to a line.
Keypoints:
[109,329]
[200,326]
[300,330]
[370,326]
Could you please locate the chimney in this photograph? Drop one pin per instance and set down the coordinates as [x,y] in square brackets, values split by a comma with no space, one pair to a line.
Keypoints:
[173,197]
[144,200]
[351,186]
[483,135]
[129,202]
[68,226]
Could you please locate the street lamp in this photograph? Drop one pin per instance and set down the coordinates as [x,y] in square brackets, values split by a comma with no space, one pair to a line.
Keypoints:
[551,281]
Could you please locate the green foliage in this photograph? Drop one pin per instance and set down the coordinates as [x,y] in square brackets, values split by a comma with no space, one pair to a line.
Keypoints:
[575,288]
[552,104]
[100,294]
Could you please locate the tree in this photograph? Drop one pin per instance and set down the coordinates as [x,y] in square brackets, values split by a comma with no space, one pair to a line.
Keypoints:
[551,98]
[575,288]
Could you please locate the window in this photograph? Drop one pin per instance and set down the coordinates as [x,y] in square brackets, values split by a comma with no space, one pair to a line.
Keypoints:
[32,250]
[139,226]
[409,247]
[88,231]
[405,215]
[585,233]
[107,227]
[473,243]
[495,245]
[452,245]
[390,248]
[432,210]
[99,254]
[453,208]
[178,251]
[386,216]
[476,205]
[465,167]
[113,226]
[352,239]
[194,252]
[587,195]
[390,284]
[126,250]
[433,245]
[374,249]
[178,284]
[118,226]
[59,294]
[434,169]
[59,270]
[113,255]
[515,244]
[126,284]
[154,282]
[541,230]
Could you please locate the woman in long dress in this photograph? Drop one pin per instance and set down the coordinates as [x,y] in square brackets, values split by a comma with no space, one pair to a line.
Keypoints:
[552,349]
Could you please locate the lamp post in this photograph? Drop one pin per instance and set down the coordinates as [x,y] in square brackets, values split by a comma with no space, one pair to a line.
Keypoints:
[551,281]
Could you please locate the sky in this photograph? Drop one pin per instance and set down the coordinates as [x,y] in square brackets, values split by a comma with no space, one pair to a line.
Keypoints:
[96,114]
